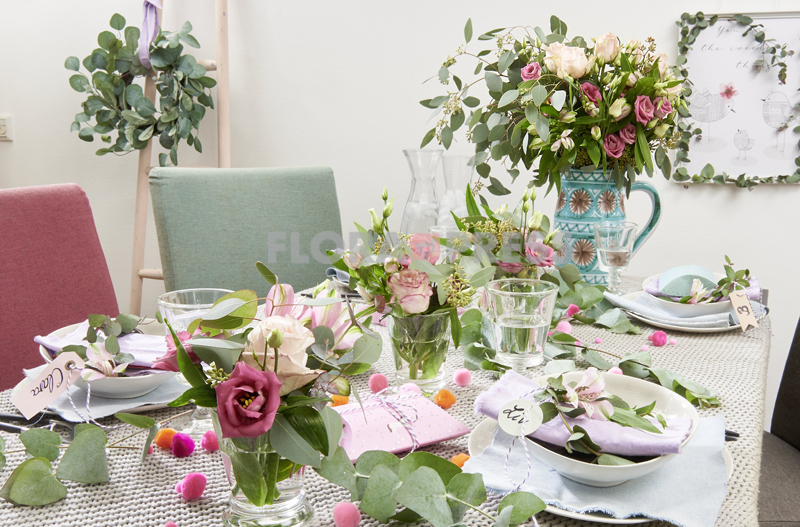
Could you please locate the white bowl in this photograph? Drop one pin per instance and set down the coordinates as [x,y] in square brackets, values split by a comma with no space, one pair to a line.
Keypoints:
[121,387]
[679,310]
[634,392]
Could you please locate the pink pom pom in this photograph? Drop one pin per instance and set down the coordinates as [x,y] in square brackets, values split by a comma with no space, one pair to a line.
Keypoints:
[578,343]
[564,327]
[659,338]
[182,445]
[616,371]
[378,382]
[572,309]
[462,376]
[150,449]
[209,441]
[645,348]
[549,333]
[410,387]
[672,342]
[346,514]
[171,524]
[598,340]
[192,486]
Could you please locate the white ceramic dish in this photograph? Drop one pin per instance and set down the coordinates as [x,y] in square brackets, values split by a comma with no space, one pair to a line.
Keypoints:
[481,437]
[691,310]
[673,327]
[121,387]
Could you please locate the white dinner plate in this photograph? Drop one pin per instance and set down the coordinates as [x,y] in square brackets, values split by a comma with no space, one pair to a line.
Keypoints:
[690,310]
[481,437]
[672,327]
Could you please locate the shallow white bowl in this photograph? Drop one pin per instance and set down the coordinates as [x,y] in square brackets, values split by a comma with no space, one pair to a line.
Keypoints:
[634,392]
[121,387]
[691,310]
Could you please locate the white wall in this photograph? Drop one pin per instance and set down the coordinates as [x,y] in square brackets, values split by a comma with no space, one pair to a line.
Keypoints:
[337,83]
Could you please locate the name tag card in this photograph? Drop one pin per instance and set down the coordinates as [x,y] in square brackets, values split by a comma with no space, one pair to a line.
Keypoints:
[34,397]
[520,418]
[743,310]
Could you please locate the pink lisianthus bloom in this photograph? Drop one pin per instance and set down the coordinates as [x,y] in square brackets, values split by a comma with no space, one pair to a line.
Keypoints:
[628,133]
[663,108]
[572,310]
[531,72]
[539,253]
[644,109]
[170,360]
[248,401]
[509,267]
[613,145]
[412,289]
[425,246]
[591,92]
[585,394]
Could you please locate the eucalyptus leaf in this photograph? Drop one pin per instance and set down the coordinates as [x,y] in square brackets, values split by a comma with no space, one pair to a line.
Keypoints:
[524,506]
[247,471]
[338,469]
[288,443]
[378,500]
[467,488]
[40,442]
[32,483]
[85,459]
[424,492]
[443,467]
[370,459]
[137,420]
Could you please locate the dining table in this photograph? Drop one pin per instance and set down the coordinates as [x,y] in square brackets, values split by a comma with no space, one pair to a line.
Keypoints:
[139,493]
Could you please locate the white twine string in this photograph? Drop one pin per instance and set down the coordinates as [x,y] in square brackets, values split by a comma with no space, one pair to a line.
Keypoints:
[88,419]
[394,408]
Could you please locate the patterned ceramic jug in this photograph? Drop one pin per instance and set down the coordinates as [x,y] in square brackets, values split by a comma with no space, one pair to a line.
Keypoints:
[585,199]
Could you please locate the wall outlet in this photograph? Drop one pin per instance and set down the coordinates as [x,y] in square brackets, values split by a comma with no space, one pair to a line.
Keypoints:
[5,128]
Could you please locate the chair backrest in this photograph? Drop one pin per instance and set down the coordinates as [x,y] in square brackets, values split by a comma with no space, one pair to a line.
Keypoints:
[784,418]
[52,270]
[214,224]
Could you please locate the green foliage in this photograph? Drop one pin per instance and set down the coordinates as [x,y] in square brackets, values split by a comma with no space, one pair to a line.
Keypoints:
[118,104]
[291,445]
[33,483]
[139,421]
[41,442]
[85,459]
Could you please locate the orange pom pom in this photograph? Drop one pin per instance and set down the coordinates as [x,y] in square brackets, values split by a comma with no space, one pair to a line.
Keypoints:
[459,459]
[339,400]
[445,399]
[164,438]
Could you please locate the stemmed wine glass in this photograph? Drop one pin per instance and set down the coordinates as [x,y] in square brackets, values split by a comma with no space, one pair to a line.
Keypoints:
[614,241]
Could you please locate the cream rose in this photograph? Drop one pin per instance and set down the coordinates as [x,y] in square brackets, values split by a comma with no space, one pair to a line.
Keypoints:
[567,60]
[292,371]
[606,48]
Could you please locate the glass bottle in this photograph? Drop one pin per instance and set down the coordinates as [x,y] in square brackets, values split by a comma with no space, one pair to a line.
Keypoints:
[422,207]
[457,174]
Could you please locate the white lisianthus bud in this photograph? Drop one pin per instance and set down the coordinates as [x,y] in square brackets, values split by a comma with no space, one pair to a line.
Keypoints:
[387,210]
[526,206]
[275,338]
[385,194]
[633,78]
[502,210]
[377,221]
[525,196]
[538,143]
[532,130]
[566,116]
[652,123]
[661,129]
[533,194]
[568,143]
[596,133]
[608,78]
[620,109]
[535,221]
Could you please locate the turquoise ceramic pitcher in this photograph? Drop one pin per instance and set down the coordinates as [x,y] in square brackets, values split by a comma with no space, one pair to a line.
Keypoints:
[585,199]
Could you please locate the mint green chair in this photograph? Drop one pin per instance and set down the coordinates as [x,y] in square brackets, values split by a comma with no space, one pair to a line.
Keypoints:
[214,224]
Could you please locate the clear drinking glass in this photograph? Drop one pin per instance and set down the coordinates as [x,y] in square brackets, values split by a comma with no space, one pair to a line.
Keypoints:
[180,309]
[521,310]
[457,175]
[614,241]
[422,207]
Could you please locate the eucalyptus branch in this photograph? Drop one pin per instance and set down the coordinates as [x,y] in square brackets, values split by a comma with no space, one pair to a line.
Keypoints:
[147,429]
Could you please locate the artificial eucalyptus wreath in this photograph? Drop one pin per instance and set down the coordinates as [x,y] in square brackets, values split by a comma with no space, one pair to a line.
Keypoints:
[117,103]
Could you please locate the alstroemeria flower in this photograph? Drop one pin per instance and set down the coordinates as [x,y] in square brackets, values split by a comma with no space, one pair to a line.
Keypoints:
[564,140]
[585,394]
[281,302]
[698,293]
[170,360]
[98,357]
[337,317]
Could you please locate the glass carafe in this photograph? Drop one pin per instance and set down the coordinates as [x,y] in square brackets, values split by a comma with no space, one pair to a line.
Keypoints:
[422,207]
[457,174]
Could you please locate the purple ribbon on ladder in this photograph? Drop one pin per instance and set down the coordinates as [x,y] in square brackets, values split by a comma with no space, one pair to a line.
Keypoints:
[149,30]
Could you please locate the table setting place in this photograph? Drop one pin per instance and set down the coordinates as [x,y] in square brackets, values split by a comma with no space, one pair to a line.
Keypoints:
[468,366]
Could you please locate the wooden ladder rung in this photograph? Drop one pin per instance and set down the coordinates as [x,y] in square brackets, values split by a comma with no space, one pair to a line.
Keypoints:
[151,274]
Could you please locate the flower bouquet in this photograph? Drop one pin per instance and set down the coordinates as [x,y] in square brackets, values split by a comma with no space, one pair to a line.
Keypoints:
[269,381]
[417,289]
[563,103]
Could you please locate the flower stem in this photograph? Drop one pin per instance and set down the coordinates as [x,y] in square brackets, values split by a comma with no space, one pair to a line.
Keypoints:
[147,429]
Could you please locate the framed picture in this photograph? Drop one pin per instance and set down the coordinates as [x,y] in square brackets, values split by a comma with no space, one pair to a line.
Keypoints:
[744,104]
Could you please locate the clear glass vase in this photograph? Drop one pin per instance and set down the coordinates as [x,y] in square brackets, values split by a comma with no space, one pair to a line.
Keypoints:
[457,175]
[420,347]
[422,207]
[247,459]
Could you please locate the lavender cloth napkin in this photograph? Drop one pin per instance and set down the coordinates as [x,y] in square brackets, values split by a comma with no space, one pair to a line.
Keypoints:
[753,292]
[144,348]
[611,437]
[687,492]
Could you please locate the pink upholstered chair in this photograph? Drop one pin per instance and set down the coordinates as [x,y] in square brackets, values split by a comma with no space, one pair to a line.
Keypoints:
[52,270]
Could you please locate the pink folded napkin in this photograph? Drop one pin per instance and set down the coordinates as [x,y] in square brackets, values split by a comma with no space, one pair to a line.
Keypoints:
[144,348]
[611,437]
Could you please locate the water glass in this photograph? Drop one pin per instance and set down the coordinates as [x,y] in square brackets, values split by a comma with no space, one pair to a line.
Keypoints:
[614,240]
[521,310]
[181,308]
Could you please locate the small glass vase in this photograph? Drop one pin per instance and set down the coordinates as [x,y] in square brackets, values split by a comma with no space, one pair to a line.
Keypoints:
[422,207]
[289,506]
[420,347]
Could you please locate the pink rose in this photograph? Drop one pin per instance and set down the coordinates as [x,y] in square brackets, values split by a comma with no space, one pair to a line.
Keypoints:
[572,309]
[412,289]
[247,402]
[539,253]
[613,145]
[662,108]
[644,108]
[591,92]
[567,60]
[509,267]
[531,72]
[425,246]
[628,133]
[606,48]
